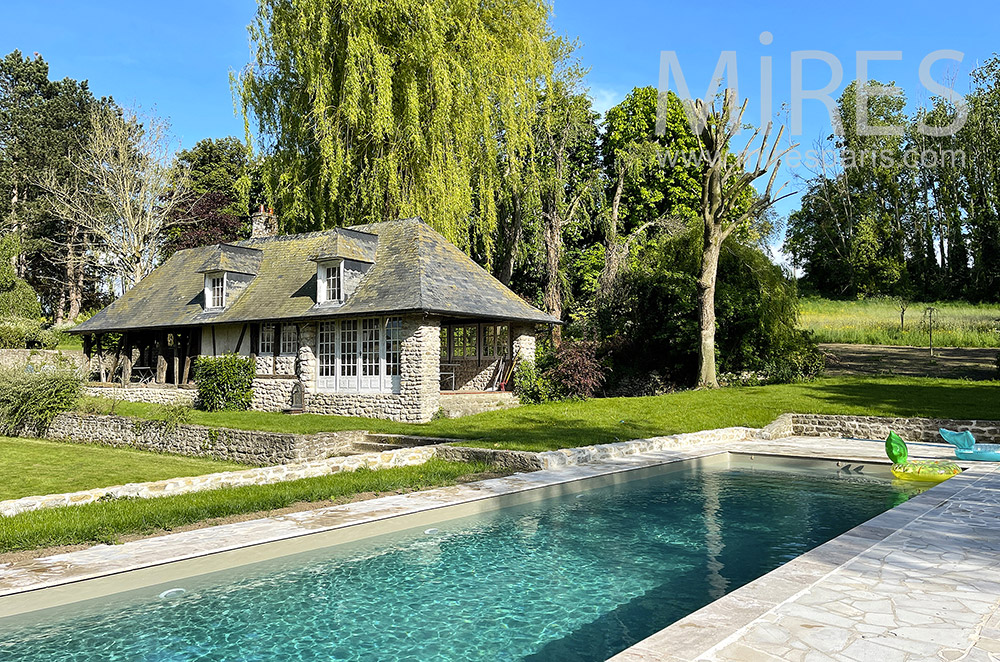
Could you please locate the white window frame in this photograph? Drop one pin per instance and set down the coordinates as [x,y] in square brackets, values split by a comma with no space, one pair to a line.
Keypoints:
[371,361]
[293,331]
[266,341]
[352,366]
[392,353]
[327,355]
[322,296]
[210,301]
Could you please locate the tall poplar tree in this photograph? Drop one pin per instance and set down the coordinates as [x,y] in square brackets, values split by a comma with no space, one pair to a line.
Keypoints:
[374,109]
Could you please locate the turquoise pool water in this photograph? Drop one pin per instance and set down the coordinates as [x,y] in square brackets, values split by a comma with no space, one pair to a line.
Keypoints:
[578,577]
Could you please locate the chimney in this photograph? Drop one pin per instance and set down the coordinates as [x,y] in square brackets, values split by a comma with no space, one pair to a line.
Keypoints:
[263,223]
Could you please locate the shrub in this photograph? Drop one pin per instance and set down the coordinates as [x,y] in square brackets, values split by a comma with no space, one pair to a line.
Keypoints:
[529,385]
[225,383]
[19,332]
[576,372]
[29,401]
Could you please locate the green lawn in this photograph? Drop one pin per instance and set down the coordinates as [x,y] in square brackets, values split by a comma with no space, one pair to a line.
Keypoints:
[580,423]
[107,521]
[33,467]
[876,322]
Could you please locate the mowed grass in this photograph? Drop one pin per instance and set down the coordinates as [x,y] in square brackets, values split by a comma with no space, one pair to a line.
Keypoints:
[876,322]
[604,420]
[107,522]
[31,467]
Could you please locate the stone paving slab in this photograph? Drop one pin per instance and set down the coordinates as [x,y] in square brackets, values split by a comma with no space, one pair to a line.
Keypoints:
[918,582]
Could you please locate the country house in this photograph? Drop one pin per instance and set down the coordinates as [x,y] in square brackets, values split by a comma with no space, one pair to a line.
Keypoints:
[372,320]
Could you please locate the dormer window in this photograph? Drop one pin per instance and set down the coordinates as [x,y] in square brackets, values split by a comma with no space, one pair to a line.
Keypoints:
[215,290]
[330,282]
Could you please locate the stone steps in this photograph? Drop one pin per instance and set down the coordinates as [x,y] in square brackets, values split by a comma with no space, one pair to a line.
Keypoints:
[374,447]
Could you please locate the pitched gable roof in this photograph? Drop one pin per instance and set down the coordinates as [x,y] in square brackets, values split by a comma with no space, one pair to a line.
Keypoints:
[415,270]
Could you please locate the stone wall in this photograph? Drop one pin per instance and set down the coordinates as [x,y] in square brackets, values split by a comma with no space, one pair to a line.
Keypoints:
[587,454]
[456,405]
[39,358]
[272,393]
[873,427]
[524,341]
[474,374]
[157,394]
[260,476]
[244,446]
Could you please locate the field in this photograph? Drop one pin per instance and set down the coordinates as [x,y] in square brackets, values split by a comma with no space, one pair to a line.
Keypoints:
[876,322]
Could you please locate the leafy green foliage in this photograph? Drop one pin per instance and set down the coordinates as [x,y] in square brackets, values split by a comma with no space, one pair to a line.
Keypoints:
[225,383]
[19,333]
[222,183]
[42,124]
[651,322]
[29,401]
[370,111]
[530,386]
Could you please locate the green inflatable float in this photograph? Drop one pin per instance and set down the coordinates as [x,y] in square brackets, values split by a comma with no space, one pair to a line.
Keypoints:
[928,471]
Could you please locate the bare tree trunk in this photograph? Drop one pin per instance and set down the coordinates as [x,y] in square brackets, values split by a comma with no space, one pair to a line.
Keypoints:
[706,308]
[74,274]
[553,254]
[505,269]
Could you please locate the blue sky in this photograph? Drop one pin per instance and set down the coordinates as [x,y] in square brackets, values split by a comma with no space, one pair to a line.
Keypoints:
[177,58]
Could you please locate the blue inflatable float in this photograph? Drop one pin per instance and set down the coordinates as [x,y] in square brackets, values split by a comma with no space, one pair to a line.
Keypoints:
[966,447]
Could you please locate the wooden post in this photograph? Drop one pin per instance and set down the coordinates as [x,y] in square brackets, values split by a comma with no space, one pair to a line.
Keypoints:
[159,343]
[100,357]
[176,359]
[188,355]
[126,360]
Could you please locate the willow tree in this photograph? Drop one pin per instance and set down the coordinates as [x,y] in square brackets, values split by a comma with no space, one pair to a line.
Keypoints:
[369,110]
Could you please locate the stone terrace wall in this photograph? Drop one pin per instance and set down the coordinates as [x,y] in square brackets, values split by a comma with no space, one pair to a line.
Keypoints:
[587,454]
[157,395]
[244,446]
[56,358]
[261,476]
[873,427]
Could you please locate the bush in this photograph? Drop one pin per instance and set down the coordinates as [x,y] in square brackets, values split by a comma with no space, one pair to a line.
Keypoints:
[29,401]
[19,332]
[576,373]
[529,385]
[225,383]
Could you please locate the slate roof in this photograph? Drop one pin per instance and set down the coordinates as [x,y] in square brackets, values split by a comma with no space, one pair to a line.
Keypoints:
[235,259]
[415,270]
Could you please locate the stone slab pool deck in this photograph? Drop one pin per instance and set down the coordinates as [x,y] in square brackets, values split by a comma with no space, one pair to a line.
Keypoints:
[918,582]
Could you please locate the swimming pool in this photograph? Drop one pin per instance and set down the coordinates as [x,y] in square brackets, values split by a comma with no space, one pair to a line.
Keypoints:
[579,575]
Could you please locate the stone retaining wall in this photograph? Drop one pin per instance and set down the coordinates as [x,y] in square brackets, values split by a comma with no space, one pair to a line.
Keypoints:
[157,395]
[874,427]
[587,454]
[244,446]
[55,358]
[260,476]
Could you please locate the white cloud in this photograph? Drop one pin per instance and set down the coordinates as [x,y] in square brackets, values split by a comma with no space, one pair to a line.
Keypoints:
[605,98]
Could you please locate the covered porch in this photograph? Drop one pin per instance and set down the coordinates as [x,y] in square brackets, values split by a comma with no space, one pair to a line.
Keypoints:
[143,357]
[480,355]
